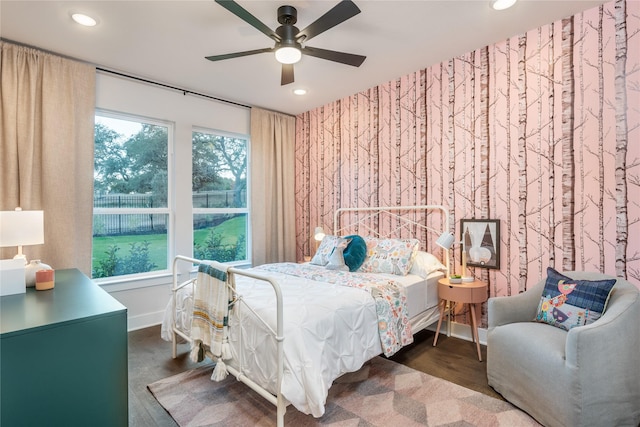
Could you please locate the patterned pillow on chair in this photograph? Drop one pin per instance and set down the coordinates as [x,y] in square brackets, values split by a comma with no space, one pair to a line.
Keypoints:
[567,303]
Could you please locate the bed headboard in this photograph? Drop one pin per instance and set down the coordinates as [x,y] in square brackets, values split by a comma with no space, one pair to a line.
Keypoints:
[418,221]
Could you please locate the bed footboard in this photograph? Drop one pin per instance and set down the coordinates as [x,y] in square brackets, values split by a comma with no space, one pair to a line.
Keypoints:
[237,371]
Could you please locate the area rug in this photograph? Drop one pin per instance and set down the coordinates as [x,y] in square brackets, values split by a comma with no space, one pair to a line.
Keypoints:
[382,393]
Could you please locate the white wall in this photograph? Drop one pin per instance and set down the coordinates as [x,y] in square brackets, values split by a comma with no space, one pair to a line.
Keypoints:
[146,298]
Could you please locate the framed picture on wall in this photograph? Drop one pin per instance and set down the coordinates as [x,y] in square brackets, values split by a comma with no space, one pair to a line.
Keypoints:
[481,239]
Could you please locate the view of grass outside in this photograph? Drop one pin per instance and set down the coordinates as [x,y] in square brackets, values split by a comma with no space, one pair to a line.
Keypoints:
[223,242]
[157,247]
[231,230]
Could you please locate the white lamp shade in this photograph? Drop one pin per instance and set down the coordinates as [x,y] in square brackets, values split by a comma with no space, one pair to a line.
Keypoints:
[446,240]
[21,228]
[318,234]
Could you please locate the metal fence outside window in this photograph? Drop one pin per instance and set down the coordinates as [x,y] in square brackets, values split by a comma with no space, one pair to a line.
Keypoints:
[127,224]
[220,199]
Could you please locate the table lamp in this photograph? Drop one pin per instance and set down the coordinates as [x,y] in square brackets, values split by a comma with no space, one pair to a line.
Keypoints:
[318,235]
[446,242]
[21,228]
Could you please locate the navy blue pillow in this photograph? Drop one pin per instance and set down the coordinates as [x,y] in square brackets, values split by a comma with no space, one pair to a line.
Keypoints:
[567,303]
[355,253]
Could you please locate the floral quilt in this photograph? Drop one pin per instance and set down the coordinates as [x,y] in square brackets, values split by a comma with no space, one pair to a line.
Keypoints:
[391,302]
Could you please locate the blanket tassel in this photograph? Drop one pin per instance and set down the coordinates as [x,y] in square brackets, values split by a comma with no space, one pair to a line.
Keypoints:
[220,371]
[197,352]
[225,351]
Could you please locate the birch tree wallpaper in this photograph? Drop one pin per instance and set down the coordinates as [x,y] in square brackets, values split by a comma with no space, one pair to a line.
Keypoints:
[540,131]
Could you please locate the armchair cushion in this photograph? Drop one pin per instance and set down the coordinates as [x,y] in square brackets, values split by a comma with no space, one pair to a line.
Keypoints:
[567,303]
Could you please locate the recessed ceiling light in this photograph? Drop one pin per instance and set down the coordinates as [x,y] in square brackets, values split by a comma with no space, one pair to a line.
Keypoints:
[83,19]
[300,91]
[502,4]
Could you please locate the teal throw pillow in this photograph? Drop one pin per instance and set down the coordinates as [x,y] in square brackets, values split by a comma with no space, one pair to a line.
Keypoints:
[567,303]
[355,252]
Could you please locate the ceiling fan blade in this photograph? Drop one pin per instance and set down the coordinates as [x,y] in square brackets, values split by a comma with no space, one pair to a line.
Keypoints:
[238,54]
[332,55]
[287,74]
[243,14]
[339,13]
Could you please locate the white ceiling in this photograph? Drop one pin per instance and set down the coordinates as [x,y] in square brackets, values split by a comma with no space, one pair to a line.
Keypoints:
[166,41]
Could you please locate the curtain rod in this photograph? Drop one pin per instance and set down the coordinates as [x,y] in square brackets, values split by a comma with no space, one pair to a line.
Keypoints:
[128,76]
[184,91]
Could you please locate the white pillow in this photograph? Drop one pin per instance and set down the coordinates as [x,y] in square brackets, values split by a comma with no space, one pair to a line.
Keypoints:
[424,264]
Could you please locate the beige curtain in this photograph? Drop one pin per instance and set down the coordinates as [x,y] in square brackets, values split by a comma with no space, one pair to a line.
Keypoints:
[47,106]
[272,187]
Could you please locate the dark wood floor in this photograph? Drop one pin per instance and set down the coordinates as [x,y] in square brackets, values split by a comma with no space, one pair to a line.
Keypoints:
[150,360]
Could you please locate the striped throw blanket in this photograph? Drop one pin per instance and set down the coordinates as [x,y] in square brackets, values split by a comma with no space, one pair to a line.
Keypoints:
[211,300]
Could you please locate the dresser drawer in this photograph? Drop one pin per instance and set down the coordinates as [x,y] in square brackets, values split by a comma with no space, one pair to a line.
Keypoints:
[464,293]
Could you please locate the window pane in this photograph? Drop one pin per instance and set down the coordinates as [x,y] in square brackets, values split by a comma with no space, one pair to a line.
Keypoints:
[129,244]
[130,173]
[220,237]
[130,160]
[219,171]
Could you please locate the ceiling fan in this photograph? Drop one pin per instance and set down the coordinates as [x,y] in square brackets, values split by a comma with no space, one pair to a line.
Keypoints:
[288,47]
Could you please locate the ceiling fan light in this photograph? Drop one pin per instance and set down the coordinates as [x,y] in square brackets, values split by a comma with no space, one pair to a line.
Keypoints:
[288,55]
[502,4]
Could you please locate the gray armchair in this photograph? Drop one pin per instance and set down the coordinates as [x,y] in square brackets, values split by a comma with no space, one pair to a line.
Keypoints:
[588,376]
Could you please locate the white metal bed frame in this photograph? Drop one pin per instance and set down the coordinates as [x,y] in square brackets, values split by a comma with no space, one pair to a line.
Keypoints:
[391,211]
[278,399]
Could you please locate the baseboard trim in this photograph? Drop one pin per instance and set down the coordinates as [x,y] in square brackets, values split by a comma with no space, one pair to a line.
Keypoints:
[461,331]
[144,320]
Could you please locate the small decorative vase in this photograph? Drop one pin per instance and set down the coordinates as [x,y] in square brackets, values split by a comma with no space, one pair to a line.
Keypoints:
[30,271]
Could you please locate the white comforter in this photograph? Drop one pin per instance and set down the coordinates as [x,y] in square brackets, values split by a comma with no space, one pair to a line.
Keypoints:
[329,330]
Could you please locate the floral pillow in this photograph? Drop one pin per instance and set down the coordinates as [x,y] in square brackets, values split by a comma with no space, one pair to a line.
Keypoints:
[392,256]
[325,249]
[567,303]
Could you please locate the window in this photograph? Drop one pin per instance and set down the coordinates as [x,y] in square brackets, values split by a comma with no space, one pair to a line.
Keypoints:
[219,183]
[131,216]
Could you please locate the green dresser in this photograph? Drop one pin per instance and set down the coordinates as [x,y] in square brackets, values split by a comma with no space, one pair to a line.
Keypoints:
[63,356]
